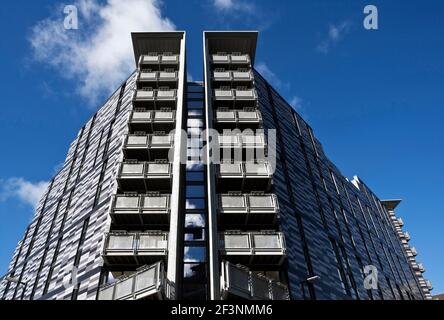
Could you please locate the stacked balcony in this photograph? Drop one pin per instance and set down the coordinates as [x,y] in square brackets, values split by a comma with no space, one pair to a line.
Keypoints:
[247,210]
[135,248]
[152,121]
[248,118]
[245,204]
[239,282]
[244,176]
[150,98]
[262,248]
[145,176]
[248,146]
[132,210]
[148,147]
[146,283]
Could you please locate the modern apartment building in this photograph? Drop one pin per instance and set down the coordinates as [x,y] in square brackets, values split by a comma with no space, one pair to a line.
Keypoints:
[207,190]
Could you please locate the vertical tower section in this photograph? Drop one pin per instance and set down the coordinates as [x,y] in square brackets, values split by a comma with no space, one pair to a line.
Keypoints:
[141,245]
[247,250]
[411,252]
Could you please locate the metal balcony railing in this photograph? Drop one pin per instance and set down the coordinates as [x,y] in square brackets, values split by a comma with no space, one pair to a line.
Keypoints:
[245,176]
[150,76]
[134,248]
[235,94]
[224,76]
[146,94]
[413,250]
[242,140]
[152,121]
[145,176]
[148,282]
[149,147]
[235,58]
[239,282]
[261,248]
[249,118]
[156,59]
[136,210]
[247,209]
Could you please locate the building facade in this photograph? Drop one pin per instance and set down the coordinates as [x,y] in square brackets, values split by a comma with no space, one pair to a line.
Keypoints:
[207,190]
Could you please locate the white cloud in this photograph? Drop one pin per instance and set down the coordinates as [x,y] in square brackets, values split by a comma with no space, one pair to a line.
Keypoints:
[296,103]
[26,191]
[99,54]
[271,77]
[233,5]
[335,34]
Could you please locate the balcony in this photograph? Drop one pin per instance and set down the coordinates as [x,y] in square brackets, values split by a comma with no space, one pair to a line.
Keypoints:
[407,236]
[147,283]
[414,252]
[149,98]
[241,119]
[227,59]
[156,79]
[145,176]
[247,176]
[147,147]
[141,210]
[240,210]
[231,98]
[253,248]
[242,147]
[152,121]
[127,248]
[239,282]
[155,61]
[233,78]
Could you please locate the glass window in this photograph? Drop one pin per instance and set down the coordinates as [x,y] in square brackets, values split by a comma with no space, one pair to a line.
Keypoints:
[195,176]
[193,204]
[195,104]
[194,254]
[195,191]
[194,235]
[195,220]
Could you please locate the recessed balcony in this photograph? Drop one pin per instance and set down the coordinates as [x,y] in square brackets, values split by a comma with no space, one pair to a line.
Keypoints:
[242,147]
[253,248]
[134,248]
[240,210]
[238,282]
[241,119]
[157,79]
[145,176]
[152,121]
[156,61]
[147,147]
[227,59]
[233,78]
[149,98]
[248,176]
[235,98]
[147,283]
[132,210]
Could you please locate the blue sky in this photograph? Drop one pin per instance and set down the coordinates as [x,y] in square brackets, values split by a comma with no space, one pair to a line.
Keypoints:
[374,98]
